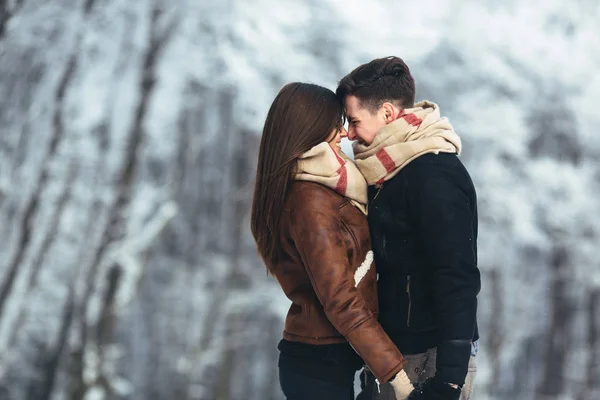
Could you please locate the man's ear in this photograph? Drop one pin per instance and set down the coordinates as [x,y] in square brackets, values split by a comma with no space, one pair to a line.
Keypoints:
[390,112]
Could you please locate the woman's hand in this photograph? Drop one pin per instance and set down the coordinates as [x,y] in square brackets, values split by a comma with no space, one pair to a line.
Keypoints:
[402,386]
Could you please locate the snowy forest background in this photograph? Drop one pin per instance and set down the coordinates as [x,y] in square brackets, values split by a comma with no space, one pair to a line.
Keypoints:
[128,143]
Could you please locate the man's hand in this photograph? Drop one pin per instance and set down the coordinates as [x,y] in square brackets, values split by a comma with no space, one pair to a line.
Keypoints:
[432,389]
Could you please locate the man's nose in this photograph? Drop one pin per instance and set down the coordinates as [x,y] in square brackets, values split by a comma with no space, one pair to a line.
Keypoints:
[351,134]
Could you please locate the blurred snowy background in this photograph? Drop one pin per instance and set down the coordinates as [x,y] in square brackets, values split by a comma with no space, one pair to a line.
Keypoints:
[128,143]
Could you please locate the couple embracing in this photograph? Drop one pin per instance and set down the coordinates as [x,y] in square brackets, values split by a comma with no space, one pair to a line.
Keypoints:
[378,255]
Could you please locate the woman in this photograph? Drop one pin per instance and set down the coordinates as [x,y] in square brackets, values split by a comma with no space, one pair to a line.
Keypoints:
[308,220]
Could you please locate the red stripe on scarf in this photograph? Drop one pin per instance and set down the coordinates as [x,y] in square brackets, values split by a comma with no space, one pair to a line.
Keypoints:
[340,159]
[386,160]
[412,119]
[342,183]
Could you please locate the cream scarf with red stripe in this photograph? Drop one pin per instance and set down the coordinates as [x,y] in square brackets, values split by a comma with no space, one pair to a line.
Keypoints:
[323,165]
[417,131]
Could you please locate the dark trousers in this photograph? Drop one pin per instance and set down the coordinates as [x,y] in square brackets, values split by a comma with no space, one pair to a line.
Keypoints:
[297,384]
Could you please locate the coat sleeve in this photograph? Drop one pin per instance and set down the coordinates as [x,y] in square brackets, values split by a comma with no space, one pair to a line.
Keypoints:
[442,202]
[318,239]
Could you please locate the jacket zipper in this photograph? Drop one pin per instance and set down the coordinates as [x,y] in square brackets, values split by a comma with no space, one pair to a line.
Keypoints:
[409,300]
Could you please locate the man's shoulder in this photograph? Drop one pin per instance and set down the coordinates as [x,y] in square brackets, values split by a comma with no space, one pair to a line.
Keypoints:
[440,173]
[431,160]
[431,165]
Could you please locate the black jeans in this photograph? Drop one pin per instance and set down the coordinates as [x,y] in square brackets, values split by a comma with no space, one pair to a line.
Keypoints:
[297,384]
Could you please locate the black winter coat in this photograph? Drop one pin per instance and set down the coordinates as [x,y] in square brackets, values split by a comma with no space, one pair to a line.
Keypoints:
[423,225]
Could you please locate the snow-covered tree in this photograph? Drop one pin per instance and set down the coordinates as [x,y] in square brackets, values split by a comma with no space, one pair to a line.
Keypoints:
[128,142]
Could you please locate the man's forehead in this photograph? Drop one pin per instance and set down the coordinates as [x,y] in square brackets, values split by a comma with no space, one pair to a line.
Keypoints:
[352,106]
[351,101]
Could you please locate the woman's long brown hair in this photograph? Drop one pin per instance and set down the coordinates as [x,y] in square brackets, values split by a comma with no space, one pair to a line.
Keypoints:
[301,116]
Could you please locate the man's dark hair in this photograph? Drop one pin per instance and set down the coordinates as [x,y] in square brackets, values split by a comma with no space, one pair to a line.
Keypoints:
[381,80]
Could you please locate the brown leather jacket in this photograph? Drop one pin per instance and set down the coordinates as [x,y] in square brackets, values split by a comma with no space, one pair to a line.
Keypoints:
[325,267]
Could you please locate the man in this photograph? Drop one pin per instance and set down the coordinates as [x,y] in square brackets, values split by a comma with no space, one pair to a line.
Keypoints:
[423,222]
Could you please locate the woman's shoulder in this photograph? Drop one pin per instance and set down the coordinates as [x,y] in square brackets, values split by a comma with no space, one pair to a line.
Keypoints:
[307,196]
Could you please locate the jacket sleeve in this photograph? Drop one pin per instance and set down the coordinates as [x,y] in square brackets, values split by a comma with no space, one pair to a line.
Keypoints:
[317,237]
[442,202]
